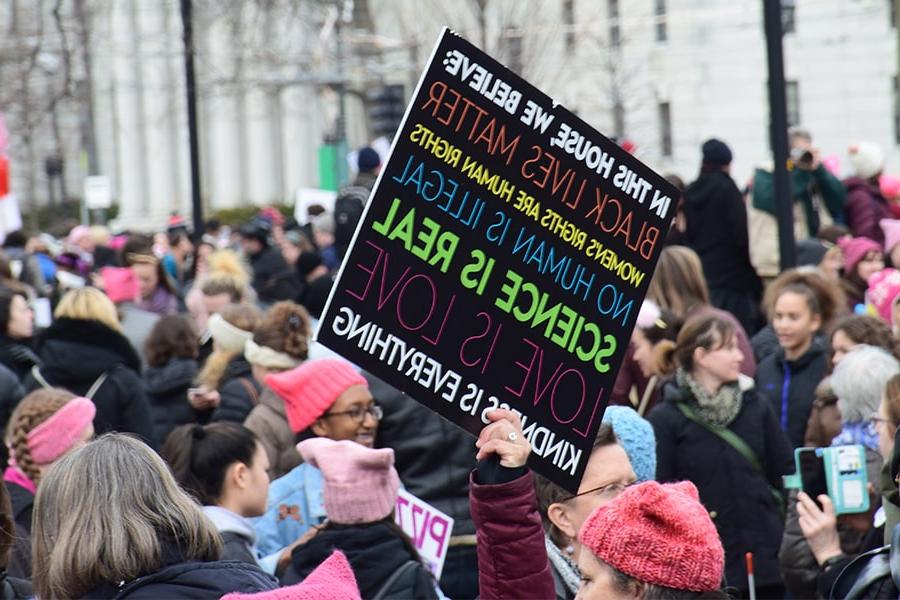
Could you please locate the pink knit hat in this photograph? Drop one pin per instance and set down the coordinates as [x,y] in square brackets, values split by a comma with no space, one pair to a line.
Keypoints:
[331,580]
[58,434]
[891,229]
[883,293]
[309,390]
[120,284]
[855,249]
[648,315]
[658,534]
[889,186]
[361,484]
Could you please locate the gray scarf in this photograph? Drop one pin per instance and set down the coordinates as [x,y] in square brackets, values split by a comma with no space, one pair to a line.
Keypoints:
[564,566]
[720,409]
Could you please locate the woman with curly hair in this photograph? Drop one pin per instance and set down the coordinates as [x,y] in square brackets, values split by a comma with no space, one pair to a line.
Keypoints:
[280,342]
[861,329]
[45,426]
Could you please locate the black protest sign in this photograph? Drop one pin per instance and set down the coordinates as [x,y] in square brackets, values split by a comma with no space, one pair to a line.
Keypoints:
[502,259]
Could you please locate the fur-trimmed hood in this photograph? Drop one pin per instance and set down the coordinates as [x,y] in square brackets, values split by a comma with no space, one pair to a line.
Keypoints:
[73,350]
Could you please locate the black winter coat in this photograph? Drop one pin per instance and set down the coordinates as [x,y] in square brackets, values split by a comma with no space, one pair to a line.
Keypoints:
[433,457]
[17,356]
[22,502]
[238,390]
[792,384]
[236,547]
[190,580]
[717,231]
[11,391]
[737,496]
[13,588]
[273,278]
[76,353]
[167,388]
[374,552]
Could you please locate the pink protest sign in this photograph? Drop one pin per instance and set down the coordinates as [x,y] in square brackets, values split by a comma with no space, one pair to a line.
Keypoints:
[428,528]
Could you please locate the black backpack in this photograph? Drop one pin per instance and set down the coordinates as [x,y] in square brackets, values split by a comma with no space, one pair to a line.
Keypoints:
[874,574]
[348,208]
[410,580]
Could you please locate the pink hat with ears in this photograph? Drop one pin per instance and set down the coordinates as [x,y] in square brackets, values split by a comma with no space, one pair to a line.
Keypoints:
[891,229]
[889,186]
[78,233]
[883,293]
[659,534]
[855,249]
[120,284]
[333,579]
[832,164]
[648,315]
[361,483]
[308,391]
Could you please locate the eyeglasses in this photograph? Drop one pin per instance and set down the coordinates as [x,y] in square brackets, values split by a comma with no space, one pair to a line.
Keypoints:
[875,420]
[358,414]
[608,490]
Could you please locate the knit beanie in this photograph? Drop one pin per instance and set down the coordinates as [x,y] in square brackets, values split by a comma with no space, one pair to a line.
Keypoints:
[811,252]
[648,315]
[367,159]
[883,292]
[855,249]
[891,229]
[866,159]
[308,391]
[636,436]
[361,483]
[716,152]
[120,284]
[333,579]
[658,534]
[889,186]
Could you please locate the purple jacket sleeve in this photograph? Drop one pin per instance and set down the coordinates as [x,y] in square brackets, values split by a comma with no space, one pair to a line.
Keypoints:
[512,559]
[861,215]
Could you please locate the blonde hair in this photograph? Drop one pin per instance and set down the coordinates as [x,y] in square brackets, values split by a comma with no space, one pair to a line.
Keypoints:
[227,265]
[243,317]
[105,512]
[678,284]
[34,409]
[88,304]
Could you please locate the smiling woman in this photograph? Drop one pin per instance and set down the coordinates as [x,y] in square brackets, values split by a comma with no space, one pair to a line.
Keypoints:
[325,398]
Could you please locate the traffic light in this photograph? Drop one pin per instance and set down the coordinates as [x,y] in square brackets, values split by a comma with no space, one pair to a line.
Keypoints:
[386,107]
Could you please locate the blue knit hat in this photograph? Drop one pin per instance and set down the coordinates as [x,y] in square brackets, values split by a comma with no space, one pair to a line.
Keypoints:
[636,436]
[367,159]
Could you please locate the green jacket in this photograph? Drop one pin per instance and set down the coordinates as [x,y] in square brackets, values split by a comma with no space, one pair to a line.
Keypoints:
[802,183]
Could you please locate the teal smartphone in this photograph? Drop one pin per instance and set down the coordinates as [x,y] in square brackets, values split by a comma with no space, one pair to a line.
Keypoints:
[838,472]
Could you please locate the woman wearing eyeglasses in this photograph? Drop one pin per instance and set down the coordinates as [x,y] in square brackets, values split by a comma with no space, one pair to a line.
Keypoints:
[325,398]
[815,540]
[607,474]
[725,439]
